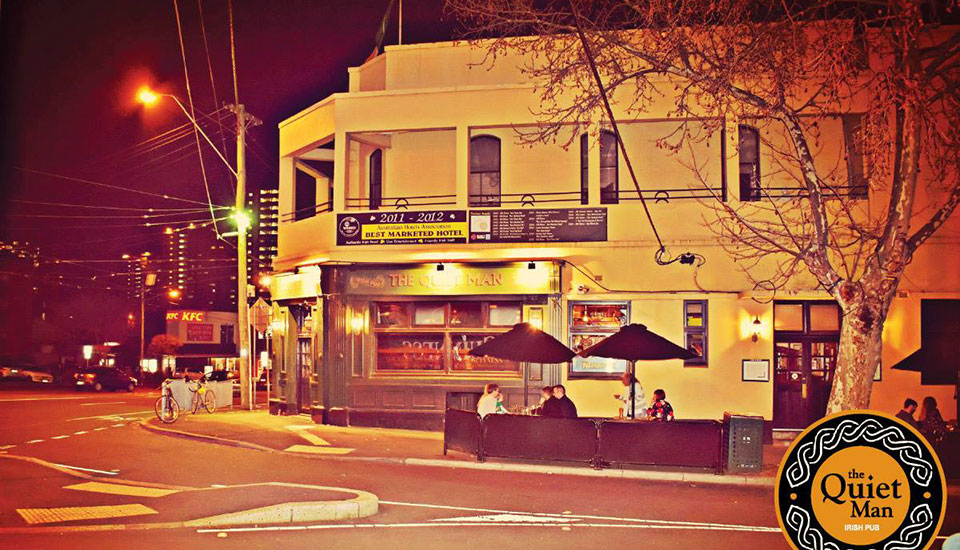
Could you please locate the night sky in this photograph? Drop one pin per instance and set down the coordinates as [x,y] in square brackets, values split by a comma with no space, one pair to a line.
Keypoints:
[70,71]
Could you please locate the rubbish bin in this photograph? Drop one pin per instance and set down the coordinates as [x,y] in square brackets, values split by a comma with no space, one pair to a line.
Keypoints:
[743,443]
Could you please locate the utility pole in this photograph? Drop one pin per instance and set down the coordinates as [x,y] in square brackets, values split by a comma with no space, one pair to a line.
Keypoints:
[243,334]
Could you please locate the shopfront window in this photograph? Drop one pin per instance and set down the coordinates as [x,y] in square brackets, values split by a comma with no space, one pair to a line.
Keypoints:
[695,331]
[430,336]
[591,322]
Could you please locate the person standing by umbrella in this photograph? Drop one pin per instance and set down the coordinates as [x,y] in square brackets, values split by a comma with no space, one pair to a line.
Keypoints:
[639,396]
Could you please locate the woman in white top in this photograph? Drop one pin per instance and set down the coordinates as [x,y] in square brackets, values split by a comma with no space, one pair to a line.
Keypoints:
[490,401]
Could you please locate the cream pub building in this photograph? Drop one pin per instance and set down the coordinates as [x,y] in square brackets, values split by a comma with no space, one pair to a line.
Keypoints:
[413,226]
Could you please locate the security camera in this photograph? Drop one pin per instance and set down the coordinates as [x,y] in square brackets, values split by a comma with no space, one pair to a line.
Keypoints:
[583,289]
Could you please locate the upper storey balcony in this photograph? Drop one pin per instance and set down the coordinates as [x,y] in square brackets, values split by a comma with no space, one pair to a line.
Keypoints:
[404,156]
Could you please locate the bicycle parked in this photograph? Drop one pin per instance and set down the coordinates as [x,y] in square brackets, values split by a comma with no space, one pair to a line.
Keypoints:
[202,396]
[167,409]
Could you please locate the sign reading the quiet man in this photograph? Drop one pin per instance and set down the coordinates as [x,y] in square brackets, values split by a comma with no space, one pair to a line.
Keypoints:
[455,279]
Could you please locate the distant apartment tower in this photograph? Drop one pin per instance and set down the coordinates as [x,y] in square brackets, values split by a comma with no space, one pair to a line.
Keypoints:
[201,267]
[263,248]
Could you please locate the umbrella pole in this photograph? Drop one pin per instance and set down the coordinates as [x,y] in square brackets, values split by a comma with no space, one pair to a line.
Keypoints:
[526,373]
[633,390]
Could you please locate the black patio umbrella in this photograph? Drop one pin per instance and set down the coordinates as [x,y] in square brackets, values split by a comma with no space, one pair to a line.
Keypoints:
[527,344]
[635,343]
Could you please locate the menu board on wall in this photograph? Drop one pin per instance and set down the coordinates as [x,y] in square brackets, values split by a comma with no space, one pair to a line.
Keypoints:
[199,332]
[538,225]
[416,227]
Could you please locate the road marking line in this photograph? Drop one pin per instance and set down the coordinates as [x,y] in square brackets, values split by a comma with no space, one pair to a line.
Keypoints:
[509,518]
[114,489]
[100,429]
[307,449]
[56,515]
[312,438]
[109,416]
[119,425]
[32,441]
[81,432]
[691,524]
[113,473]
[104,403]
[41,399]
[770,530]
[60,437]
[7,447]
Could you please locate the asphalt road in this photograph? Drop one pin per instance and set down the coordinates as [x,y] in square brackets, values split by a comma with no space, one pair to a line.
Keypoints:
[420,507]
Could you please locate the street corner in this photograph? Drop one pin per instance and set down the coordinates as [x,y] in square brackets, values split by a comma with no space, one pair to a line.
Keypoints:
[62,501]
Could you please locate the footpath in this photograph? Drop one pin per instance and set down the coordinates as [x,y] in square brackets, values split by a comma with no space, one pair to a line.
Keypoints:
[299,436]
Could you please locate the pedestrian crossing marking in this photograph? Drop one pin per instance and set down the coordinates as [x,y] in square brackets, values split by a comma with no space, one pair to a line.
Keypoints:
[114,489]
[316,450]
[34,516]
[301,430]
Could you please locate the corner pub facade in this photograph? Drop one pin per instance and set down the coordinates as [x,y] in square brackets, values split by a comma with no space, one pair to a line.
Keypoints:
[414,226]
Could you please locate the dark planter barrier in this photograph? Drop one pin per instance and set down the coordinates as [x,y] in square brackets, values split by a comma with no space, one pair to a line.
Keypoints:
[948,451]
[516,436]
[461,432]
[694,443]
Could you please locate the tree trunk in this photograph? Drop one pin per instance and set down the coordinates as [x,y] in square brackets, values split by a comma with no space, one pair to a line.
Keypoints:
[859,356]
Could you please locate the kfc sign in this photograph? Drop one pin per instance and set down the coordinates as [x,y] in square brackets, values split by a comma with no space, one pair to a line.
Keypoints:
[188,316]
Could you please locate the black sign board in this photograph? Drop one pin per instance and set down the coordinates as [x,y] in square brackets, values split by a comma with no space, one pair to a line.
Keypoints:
[538,226]
[417,227]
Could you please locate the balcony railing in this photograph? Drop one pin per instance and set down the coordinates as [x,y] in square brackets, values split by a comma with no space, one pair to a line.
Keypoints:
[307,212]
[834,192]
[524,199]
[667,195]
[400,203]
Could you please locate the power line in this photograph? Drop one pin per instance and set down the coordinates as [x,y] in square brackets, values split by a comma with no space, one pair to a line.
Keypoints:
[193,113]
[109,186]
[233,55]
[124,208]
[206,49]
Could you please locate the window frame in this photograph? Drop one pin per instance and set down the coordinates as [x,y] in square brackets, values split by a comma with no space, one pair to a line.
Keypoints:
[614,196]
[480,199]
[584,169]
[703,331]
[619,366]
[749,190]
[447,330]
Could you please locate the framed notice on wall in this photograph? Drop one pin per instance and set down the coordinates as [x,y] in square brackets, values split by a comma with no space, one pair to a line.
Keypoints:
[756,370]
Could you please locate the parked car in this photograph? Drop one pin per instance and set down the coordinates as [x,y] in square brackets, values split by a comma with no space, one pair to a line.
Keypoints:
[25,372]
[101,378]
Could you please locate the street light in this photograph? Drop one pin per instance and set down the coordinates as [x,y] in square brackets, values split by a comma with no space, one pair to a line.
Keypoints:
[173,293]
[149,97]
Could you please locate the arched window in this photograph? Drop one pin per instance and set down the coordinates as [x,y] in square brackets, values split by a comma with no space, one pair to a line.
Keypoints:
[584,169]
[609,174]
[484,187]
[749,163]
[375,176]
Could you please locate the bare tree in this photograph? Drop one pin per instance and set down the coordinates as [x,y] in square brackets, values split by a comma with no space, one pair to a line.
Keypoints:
[883,71]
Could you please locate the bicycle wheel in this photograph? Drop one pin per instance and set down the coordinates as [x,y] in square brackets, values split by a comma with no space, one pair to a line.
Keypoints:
[167,409]
[209,401]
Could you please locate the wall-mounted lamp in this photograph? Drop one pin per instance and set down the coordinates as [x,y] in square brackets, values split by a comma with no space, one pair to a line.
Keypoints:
[440,267]
[356,323]
[756,328]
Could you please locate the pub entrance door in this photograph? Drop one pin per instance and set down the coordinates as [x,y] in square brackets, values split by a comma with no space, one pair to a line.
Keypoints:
[806,341]
[304,367]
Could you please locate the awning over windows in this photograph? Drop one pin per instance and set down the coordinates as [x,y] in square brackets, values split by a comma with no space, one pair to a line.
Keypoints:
[938,359]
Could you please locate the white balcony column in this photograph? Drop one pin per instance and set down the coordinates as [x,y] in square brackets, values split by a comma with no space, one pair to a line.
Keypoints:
[288,177]
[341,149]
[463,166]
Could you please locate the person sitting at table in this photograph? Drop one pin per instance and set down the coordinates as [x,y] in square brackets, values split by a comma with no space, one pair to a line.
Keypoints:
[559,406]
[491,402]
[932,425]
[545,394]
[906,413]
[639,397]
[660,411]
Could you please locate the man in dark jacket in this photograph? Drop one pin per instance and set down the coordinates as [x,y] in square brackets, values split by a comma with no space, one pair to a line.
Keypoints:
[559,406]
